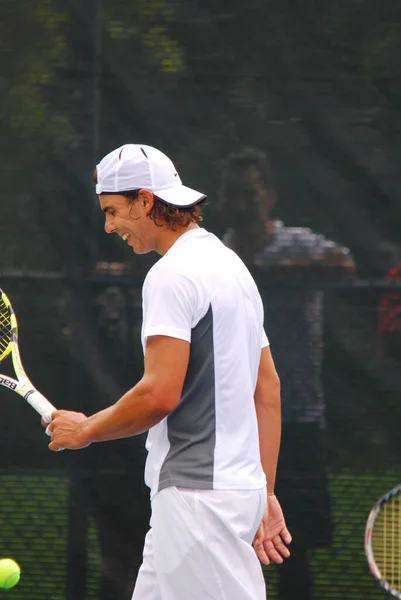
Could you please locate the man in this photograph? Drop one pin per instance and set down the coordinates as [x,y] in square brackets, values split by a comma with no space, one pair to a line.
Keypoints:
[209,388]
[294,321]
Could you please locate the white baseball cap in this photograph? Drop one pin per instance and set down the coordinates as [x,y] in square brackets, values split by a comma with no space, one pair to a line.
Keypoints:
[136,166]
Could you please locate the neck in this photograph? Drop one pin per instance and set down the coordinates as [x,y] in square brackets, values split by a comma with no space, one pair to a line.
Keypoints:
[249,242]
[167,237]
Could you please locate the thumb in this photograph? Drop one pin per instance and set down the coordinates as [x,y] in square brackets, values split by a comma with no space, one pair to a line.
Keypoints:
[259,535]
[258,545]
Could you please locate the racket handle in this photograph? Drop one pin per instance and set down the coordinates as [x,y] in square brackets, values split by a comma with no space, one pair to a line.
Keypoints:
[41,405]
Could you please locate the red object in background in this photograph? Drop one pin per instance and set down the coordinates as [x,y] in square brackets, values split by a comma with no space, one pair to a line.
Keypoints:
[389,328]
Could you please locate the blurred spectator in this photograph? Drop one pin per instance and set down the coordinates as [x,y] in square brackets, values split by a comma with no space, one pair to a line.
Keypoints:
[103,319]
[294,325]
[118,497]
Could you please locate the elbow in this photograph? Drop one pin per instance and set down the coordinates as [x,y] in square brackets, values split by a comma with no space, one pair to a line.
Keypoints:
[267,392]
[162,404]
[159,397]
[276,384]
[274,395]
[272,382]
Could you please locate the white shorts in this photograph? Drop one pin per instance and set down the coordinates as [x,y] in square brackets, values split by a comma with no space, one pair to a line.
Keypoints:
[199,546]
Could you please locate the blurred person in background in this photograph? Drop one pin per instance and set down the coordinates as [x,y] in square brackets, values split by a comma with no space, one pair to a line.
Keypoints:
[101,326]
[294,325]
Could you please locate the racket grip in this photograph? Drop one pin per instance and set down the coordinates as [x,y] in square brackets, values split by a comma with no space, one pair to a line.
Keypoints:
[41,405]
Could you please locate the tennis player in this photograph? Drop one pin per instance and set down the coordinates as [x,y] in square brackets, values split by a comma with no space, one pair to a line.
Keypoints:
[209,395]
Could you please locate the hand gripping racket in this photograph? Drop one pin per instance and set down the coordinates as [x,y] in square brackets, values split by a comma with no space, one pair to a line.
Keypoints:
[383,541]
[9,345]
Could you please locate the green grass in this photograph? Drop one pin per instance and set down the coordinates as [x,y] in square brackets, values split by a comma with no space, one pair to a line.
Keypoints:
[34,528]
[33,531]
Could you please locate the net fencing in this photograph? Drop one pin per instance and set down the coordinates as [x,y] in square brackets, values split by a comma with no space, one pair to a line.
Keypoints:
[316,88]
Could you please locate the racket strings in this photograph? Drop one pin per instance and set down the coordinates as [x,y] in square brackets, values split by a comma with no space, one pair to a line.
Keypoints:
[386,541]
[5,327]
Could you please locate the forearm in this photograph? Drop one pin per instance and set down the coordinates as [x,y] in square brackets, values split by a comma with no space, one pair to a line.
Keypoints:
[268,411]
[135,412]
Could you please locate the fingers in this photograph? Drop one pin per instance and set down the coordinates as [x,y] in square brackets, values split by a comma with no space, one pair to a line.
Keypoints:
[286,536]
[50,427]
[259,548]
[276,550]
[48,418]
[273,549]
[55,447]
[279,549]
[49,431]
[65,431]
[45,420]
[258,545]
[272,552]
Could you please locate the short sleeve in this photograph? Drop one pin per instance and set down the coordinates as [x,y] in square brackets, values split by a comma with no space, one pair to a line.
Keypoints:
[265,340]
[169,305]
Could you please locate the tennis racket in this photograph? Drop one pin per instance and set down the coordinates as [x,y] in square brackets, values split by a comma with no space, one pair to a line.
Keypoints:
[383,541]
[9,345]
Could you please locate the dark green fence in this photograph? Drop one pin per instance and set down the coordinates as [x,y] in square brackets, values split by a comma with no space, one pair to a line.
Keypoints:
[315,86]
[62,516]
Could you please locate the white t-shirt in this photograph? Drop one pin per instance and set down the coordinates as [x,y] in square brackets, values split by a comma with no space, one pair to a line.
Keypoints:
[200,291]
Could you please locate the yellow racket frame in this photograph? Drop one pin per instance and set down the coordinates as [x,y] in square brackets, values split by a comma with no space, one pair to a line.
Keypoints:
[22,385]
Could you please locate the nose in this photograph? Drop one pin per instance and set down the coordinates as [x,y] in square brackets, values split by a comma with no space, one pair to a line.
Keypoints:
[109,226]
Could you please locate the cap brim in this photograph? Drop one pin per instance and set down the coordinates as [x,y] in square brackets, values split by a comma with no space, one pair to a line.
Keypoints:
[180,195]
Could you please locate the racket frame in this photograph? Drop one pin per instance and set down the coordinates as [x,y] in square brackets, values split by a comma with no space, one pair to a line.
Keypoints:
[22,385]
[374,512]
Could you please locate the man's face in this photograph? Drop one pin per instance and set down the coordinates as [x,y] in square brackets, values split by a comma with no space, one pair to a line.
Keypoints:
[254,204]
[129,220]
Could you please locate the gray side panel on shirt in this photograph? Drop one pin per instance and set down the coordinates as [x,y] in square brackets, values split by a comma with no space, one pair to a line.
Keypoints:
[191,427]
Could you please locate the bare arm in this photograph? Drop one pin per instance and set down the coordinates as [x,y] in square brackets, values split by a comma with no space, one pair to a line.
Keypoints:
[155,396]
[272,535]
[268,411]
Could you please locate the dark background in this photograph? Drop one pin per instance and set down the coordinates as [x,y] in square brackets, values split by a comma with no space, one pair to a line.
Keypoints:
[316,85]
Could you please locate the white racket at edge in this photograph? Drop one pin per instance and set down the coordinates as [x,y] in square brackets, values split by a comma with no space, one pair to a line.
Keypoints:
[383,541]
[9,345]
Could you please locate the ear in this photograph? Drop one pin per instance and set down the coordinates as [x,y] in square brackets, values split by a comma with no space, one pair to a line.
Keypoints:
[146,198]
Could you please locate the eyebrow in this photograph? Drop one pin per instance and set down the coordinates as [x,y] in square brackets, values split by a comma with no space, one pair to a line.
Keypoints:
[106,209]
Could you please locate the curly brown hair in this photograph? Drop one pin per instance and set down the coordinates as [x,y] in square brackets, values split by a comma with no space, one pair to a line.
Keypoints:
[163,213]
[173,216]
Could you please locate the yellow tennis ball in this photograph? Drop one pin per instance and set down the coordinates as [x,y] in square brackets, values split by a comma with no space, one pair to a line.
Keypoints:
[10,573]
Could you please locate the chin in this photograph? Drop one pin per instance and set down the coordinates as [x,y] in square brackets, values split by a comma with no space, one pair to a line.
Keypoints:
[141,250]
